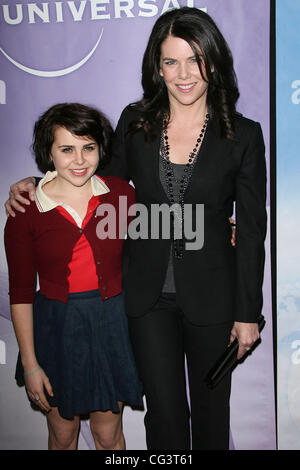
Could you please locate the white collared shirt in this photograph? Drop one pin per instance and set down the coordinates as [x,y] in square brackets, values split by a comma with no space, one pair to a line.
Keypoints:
[44,203]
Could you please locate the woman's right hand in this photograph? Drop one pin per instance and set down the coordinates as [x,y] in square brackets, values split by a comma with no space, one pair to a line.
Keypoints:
[35,383]
[15,195]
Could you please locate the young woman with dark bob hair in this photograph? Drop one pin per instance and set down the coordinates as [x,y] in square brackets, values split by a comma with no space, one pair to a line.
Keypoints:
[75,354]
[184,143]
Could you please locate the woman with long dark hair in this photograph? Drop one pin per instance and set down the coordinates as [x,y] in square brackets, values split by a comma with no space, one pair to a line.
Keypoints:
[214,61]
[184,145]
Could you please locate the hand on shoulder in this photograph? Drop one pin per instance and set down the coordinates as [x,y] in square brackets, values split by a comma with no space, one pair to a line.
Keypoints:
[16,197]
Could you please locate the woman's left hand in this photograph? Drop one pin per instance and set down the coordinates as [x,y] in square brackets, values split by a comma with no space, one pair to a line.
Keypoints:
[246,333]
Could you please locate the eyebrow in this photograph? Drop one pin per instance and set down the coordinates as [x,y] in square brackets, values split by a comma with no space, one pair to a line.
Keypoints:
[172,58]
[191,57]
[70,145]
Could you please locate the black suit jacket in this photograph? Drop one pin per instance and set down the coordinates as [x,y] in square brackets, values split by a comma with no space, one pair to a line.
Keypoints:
[217,283]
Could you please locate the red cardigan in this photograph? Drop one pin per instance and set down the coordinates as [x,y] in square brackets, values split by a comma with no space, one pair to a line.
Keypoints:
[42,243]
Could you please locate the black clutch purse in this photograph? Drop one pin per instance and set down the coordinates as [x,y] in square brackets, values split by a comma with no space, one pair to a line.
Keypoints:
[228,359]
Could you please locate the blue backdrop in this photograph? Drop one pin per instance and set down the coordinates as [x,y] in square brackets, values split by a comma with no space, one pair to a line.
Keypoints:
[288,221]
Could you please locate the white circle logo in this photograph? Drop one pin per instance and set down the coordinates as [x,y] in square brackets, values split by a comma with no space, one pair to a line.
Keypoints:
[54,73]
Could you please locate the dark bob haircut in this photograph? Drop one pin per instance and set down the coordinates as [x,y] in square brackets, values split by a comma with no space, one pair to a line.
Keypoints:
[200,31]
[78,119]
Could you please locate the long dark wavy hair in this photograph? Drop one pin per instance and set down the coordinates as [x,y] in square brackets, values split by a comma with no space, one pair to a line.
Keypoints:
[200,32]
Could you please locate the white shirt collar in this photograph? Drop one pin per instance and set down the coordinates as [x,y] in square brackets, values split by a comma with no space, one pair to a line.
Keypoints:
[45,203]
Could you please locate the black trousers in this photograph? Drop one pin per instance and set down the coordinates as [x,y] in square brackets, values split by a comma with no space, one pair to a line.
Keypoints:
[161,340]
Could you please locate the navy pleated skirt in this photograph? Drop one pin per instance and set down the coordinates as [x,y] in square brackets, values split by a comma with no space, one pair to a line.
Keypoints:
[83,347]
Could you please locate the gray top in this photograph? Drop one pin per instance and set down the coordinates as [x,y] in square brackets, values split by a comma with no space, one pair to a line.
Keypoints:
[178,168]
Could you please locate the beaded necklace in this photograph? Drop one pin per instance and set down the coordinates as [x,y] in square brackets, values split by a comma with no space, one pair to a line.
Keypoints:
[183,182]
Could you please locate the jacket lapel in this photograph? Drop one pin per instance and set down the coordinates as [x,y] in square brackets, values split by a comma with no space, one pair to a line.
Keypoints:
[202,164]
[208,167]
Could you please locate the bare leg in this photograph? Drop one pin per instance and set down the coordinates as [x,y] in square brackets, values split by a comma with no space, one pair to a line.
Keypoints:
[63,433]
[106,428]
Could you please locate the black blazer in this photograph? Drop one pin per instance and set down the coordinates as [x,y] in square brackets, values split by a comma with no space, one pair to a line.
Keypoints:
[217,283]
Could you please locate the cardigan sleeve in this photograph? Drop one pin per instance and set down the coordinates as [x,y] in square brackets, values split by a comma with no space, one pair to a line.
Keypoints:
[18,240]
[251,225]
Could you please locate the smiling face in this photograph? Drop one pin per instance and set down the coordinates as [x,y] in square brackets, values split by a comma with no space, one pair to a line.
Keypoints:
[75,158]
[179,68]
